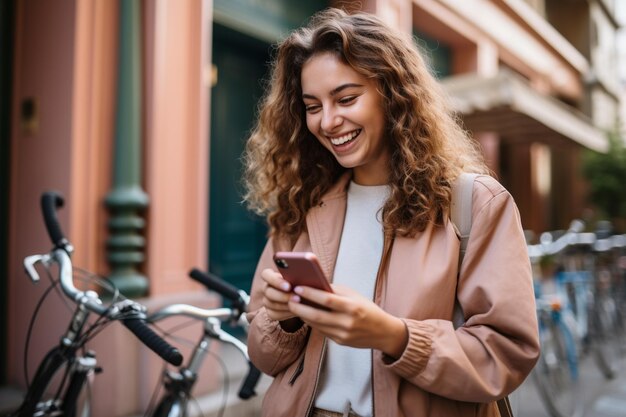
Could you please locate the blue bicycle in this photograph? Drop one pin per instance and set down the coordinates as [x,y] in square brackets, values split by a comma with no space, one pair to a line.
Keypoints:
[577,317]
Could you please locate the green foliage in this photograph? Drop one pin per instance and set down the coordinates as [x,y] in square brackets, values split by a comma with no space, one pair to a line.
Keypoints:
[606,173]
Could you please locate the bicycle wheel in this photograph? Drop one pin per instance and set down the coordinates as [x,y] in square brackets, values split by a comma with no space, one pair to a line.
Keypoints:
[605,335]
[556,372]
[54,381]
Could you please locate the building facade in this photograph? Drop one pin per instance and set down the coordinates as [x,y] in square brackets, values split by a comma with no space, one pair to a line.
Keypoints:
[537,87]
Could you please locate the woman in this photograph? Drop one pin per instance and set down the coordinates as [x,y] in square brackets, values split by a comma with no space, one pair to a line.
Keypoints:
[353,158]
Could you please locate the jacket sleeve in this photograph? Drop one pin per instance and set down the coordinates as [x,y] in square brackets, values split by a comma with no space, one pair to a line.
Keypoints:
[271,349]
[496,348]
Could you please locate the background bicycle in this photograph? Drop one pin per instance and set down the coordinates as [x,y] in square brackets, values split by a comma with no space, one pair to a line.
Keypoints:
[577,316]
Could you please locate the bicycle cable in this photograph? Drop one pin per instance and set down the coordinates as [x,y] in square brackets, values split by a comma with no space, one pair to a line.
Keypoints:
[103,320]
[198,407]
[30,330]
[102,281]
[53,286]
[99,325]
[55,282]
[170,332]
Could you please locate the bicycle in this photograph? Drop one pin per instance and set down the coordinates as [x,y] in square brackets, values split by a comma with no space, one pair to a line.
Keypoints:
[587,288]
[179,383]
[610,290]
[61,383]
[575,319]
[556,373]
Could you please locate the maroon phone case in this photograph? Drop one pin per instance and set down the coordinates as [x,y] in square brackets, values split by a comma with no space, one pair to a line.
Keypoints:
[302,269]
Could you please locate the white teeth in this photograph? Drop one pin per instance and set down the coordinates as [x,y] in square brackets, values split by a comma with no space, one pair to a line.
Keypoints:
[345,138]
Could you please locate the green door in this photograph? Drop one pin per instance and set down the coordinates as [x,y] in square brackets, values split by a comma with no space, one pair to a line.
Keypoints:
[236,236]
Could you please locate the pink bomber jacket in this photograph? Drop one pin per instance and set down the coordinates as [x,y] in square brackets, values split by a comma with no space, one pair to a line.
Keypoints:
[443,371]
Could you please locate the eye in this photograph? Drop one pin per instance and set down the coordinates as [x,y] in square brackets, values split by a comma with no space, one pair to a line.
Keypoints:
[312,108]
[347,99]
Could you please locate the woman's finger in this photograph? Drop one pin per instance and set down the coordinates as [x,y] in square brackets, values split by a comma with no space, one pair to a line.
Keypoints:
[277,296]
[277,302]
[310,314]
[275,280]
[321,297]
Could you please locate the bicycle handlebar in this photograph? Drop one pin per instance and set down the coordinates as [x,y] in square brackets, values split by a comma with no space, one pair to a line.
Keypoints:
[215,283]
[214,316]
[50,202]
[249,383]
[574,237]
[222,314]
[153,340]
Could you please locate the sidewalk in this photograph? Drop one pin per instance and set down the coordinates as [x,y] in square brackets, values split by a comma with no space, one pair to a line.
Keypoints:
[601,397]
[10,399]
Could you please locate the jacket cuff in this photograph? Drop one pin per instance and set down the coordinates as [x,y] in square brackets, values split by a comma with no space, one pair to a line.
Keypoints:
[275,335]
[417,351]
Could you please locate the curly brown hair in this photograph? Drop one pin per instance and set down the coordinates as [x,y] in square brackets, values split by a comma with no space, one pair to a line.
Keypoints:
[288,170]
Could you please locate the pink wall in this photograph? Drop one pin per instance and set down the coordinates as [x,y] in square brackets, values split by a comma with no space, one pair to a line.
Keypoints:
[177,138]
[66,54]
[43,70]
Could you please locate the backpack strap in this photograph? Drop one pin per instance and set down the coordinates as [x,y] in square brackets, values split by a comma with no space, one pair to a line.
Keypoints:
[461,217]
[461,208]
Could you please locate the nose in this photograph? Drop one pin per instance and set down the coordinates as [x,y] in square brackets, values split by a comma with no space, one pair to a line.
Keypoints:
[330,119]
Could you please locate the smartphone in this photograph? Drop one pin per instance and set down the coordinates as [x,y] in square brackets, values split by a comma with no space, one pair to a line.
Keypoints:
[302,269]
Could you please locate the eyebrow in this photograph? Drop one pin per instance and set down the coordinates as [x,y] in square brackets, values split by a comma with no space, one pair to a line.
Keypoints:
[336,90]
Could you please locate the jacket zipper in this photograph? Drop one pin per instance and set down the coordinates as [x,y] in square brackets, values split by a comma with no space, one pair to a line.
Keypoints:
[317,379]
[300,366]
[381,267]
[372,382]
[298,370]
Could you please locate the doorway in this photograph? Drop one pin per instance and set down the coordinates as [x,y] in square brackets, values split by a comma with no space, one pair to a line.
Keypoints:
[236,236]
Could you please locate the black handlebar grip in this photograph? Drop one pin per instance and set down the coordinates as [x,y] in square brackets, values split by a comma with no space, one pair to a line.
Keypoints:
[50,202]
[154,341]
[212,282]
[249,384]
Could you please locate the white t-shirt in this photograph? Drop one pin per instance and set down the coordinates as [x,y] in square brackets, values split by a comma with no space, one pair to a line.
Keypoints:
[345,381]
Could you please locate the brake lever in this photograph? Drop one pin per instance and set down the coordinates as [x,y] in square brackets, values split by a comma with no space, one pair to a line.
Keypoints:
[213,328]
[30,262]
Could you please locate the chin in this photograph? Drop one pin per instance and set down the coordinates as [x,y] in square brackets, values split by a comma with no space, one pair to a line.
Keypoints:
[347,164]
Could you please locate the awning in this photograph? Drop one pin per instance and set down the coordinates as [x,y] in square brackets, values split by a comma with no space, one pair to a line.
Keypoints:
[506,104]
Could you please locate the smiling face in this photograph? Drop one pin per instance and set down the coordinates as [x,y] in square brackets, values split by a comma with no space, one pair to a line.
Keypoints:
[344,112]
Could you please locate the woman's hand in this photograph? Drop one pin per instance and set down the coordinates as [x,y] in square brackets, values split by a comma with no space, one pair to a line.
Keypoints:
[352,320]
[276,295]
